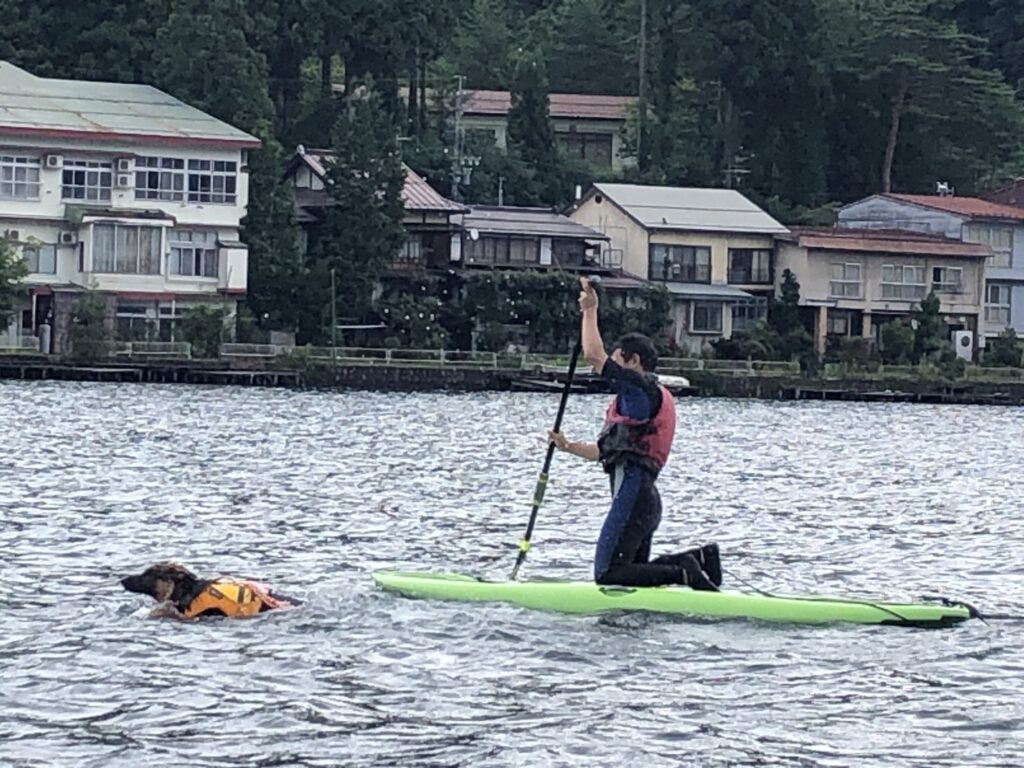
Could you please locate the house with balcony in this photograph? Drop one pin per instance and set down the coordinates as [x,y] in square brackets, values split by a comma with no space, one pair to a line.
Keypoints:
[443,235]
[432,222]
[857,280]
[713,249]
[997,225]
[587,127]
[122,190]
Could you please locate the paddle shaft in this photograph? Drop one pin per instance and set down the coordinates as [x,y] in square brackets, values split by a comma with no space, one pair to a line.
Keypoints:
[542,480]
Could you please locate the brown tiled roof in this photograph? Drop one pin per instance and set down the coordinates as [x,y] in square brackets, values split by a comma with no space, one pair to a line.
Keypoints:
[885,241]
[574,105]
[417,194]
[1009,194]
[973,207]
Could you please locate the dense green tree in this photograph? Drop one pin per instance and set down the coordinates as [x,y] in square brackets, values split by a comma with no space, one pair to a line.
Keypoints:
[1005,350]
[362,232]
[931,333]
[13,271]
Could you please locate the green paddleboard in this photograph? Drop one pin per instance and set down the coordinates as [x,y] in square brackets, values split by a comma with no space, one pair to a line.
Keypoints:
[587,598]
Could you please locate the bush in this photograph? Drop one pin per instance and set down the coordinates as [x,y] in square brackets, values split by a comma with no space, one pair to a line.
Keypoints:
[203,328]
[1004,351]
[897,343]
[89,335]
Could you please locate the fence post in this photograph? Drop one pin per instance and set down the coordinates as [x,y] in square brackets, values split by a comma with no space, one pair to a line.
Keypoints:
[387,356]
[440,357]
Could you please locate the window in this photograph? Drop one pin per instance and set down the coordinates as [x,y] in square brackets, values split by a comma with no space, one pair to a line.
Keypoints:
[132,322]
[845,283]
[594,148]
[86,180]
[211,181]
[997,304]
[707,317]
[750,265]
[193,253]
[19,178]
[568,252]
[523,251]
[126,249]
[746,314]
[900,283]
[412,250]
[159,178]
[481,137]
[681,263]
[838,324]
[947,279]
[41,259]
[999,239]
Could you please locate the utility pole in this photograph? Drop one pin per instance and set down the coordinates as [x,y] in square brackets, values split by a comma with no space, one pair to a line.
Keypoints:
[457,160]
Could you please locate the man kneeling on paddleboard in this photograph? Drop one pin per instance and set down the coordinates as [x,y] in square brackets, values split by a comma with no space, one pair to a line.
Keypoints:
[633,447]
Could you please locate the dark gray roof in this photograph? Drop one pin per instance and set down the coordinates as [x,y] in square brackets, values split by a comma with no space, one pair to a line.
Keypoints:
[535,222]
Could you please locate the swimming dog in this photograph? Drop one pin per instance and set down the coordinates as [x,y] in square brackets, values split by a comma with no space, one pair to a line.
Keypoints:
[183,595]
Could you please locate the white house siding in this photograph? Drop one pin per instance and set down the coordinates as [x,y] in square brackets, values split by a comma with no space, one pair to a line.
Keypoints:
[45,221]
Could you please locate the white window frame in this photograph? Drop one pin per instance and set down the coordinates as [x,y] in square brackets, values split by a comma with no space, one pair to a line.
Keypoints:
[20,172]
[706,304]
[96,180]
[213,182]
[160,178]
[951,279]
[900,284]
[758,307]
[34,256]
[843,285]
[196,248]
[116,255]
[997,309]
[998,237]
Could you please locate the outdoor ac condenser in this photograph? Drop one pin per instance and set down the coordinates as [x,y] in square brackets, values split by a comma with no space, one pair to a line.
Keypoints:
[963,344]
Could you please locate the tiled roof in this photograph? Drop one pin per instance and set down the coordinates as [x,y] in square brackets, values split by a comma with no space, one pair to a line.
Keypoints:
[539,222]
[972,207]
[417,194]
[884,241]
[689,208]
[39,106]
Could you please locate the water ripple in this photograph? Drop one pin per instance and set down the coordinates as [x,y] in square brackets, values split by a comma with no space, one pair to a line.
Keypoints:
[311,491]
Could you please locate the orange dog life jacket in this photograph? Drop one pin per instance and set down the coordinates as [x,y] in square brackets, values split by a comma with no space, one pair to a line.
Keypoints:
[232,598]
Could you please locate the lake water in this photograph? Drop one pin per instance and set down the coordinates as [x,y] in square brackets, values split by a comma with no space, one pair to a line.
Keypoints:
[312,491]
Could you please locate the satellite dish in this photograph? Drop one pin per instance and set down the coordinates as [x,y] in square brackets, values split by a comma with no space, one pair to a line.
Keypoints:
[474,234]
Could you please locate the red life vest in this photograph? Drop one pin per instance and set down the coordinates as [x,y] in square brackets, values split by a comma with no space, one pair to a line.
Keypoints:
[647,442]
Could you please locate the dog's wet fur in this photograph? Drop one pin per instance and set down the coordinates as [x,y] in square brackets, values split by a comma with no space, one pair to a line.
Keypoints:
[167,581]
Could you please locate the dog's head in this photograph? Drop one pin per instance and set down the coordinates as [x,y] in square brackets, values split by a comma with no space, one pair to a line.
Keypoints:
[163,581]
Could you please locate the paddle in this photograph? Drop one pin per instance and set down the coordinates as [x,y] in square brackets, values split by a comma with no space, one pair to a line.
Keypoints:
[542,480]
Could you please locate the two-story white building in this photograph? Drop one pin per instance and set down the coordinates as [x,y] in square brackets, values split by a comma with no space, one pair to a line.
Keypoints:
[124,190]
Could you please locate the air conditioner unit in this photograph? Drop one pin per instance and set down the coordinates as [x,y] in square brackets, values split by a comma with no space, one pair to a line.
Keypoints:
[123,180]
[54,161]
[12,234]
[963,345]
[68,238]
[125,164]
